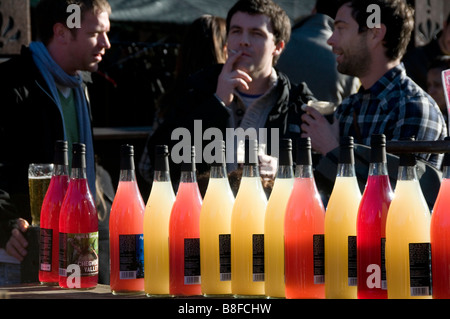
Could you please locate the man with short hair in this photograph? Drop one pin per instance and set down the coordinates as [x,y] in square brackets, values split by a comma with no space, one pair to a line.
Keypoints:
[388,102]
[246,92]
[44,100]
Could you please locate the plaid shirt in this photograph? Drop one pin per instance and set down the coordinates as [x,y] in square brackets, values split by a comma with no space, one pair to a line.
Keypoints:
[396,107]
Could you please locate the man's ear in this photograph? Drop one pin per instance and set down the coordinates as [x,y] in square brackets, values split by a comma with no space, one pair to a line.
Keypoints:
[376,35]
[61,33]
[279,48]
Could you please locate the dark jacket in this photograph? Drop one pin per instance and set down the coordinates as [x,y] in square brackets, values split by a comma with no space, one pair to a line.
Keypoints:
[200,103]
[30,123]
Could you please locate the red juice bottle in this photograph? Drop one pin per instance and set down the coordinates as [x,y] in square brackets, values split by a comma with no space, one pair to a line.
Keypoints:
[304,232]
[184,234]
[49,224]
[78,229]
[371,225]
[440,236]
[126,237]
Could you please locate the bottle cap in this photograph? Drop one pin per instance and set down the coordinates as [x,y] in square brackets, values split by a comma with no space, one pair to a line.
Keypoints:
[161,158]
[189,165]
[285,152]
[378,151]
[79,155]
[126,157]
[408,159]
[251,152]
[304,156]
[219,159]
[346,146]
[61,153]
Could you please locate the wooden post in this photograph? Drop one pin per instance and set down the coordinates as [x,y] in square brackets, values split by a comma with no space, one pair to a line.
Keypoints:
[15,26]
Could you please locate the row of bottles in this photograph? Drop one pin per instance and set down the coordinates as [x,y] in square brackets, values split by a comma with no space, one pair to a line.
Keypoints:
[69,224]
[372,245]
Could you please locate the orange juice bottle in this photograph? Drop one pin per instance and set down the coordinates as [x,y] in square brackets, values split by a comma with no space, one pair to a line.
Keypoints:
[440,236]
[247,229]
[340,228]
[156,227]
[215,230]
[126,239]
[408,262]
[304,232]
[274,223]
[184,234]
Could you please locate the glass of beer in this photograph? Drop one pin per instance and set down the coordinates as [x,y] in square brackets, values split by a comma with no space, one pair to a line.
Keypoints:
[39,176]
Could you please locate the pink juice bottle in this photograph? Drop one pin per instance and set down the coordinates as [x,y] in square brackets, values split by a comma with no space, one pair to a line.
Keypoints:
[184,234]
[126,237]
[49,224]
[371,225]
[304,232]
[440,236]
[78,229]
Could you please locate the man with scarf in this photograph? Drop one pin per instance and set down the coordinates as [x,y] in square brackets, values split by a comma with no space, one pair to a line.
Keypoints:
[43,100]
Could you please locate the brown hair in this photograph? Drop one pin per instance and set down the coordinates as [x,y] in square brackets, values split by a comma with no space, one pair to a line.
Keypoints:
[281,24]
[51,12]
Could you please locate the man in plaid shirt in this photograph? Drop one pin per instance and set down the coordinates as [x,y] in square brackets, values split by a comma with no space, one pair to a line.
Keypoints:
[388,101]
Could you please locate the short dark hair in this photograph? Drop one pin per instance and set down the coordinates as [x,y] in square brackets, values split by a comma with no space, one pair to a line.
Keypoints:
[328,7]
[50,12]
[396,15]
[281,24]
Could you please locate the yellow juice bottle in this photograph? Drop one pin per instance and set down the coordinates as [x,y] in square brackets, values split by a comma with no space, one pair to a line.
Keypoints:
[156,227]
[340,228]
[215,232]
[274,223]
[247,229]
[408,261]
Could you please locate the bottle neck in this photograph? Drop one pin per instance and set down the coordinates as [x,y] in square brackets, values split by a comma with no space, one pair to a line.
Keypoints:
[346,170]
[218,171]
[378,169]
[407,173]
[161,176]
[303,171]
[60,170]
[188,177]
[250,170]
[285,171]
[127,175]
[78,173]
[446,172]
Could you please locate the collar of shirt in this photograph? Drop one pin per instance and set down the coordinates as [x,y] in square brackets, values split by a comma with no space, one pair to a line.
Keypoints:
[384,85]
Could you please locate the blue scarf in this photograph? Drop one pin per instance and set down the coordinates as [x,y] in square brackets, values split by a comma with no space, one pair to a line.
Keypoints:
[53,74]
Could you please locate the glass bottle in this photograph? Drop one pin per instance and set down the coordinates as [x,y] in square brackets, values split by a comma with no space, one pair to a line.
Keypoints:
[156,226]
[215,230]
[78,229]
[304,232]
[274,223]
[126,239]
[49,225]
[340,228]
[184,234]
[371,224]
[247,229]
[408,260]
[440,235]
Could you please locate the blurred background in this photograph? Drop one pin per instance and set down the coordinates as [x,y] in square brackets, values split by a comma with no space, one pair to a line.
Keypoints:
[138,69]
